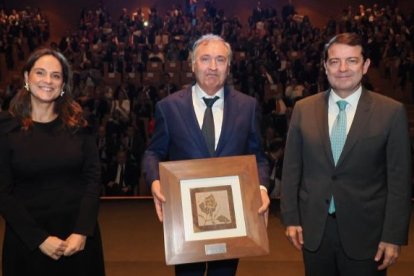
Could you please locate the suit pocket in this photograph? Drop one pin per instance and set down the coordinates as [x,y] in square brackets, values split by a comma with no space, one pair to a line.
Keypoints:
[374,139]
[303,195]
[370,147]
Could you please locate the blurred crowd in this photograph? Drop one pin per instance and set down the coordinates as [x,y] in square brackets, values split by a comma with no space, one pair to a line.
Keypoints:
[28,26]
[124,65]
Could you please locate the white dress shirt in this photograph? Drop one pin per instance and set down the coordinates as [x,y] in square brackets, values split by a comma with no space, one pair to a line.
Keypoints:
[118,175]
[350,108]
[217,109]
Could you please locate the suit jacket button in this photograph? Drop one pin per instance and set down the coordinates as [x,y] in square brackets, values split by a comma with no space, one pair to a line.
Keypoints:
[327,201]
[334,177]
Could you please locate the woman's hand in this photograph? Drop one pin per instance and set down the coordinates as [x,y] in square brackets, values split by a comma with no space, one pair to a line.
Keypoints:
[75,244]
[53,247]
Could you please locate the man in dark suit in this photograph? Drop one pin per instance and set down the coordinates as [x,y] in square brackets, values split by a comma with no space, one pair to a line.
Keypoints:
[134,143]
[121,177]
[105,147]
[348,210]
[167,86]
[178,131]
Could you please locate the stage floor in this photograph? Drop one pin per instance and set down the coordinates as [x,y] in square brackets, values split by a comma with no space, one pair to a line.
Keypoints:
[133,244]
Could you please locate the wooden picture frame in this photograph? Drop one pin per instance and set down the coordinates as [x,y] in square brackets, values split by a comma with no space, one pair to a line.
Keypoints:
[211,208]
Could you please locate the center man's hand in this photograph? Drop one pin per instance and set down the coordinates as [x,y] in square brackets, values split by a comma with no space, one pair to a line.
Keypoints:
[159,198]
[264,209]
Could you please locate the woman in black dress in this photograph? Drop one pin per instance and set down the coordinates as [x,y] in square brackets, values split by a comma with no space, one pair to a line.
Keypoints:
[49,177]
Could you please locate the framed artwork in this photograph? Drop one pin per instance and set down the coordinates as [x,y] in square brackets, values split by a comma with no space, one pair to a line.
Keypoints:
[211,209]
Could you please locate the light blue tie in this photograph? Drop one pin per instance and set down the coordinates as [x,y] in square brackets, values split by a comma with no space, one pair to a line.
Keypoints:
[338,138]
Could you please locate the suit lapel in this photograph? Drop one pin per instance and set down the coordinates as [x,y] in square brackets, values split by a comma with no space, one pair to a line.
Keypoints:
[362,116]
[230,106]
[189,118]
[321,109]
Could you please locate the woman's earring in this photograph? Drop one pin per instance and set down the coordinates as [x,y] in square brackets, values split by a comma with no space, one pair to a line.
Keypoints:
[26,86]
[62,93]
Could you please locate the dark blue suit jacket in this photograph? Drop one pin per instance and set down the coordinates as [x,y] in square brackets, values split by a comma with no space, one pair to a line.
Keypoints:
[178,136]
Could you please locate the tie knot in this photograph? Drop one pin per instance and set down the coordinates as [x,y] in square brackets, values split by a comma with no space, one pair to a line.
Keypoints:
[210,101]
[341,105]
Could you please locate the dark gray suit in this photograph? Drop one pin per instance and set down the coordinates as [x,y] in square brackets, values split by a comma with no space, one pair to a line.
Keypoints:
[371,183]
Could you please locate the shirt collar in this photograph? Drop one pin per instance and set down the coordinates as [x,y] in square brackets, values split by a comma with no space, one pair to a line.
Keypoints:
[200,94]
[352,99]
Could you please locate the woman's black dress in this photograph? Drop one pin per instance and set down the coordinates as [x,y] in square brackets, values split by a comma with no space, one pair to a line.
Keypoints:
[49,186]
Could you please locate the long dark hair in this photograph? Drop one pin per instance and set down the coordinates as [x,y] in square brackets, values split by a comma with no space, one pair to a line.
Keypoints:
[69,111]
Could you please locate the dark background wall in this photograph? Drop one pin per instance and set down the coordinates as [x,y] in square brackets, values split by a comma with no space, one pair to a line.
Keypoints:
[64,14]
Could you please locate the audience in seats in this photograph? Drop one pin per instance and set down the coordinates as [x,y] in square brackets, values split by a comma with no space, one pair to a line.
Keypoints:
[276,56]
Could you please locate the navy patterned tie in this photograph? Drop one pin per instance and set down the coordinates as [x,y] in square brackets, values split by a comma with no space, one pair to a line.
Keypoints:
[338,138]
[208,124]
